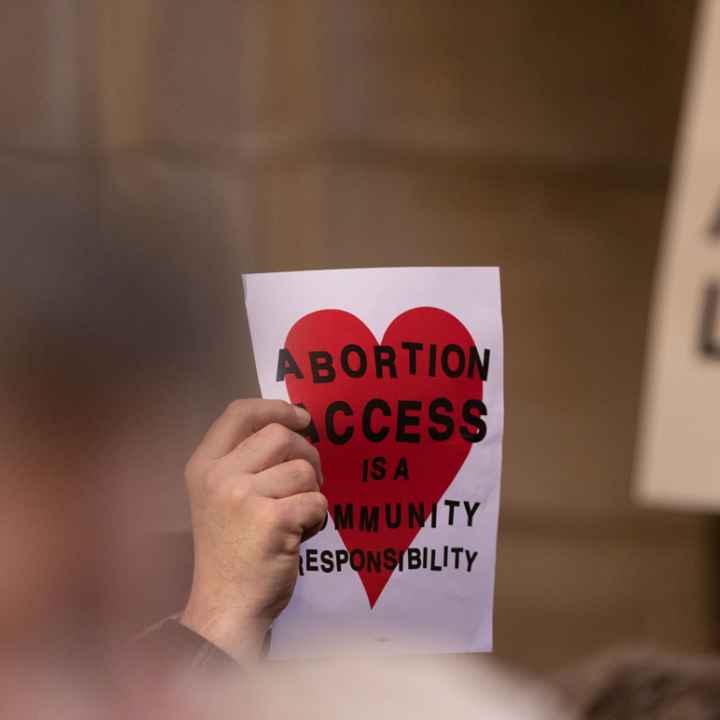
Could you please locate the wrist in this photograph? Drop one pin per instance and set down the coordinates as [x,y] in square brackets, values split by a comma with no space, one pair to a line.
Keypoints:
[240,635]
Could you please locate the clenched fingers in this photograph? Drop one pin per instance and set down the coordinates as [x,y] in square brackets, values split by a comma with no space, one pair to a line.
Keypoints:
[286,479]
[242,418]
[303,514]
[272,445]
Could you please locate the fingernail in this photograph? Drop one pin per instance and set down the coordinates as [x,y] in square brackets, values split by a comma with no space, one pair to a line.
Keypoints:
[302,415]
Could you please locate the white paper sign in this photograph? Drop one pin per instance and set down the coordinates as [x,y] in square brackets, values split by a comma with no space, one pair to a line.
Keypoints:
[402,372]
[679,450]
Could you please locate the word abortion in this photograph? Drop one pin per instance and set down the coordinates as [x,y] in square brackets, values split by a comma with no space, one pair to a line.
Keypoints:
[382,361]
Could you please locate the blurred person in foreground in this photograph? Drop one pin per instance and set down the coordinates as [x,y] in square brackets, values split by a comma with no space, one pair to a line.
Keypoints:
[99,337]
[643,684]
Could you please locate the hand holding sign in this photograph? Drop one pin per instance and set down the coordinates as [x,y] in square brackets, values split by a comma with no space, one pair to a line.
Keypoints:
[254,492]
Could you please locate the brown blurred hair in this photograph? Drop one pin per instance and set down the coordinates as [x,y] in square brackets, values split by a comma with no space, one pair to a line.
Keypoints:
[646,685]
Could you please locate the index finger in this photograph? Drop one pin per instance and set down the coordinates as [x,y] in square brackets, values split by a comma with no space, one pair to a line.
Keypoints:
[242,418]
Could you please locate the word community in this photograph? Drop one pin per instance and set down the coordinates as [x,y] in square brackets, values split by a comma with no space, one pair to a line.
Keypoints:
[375,518]
[388,560]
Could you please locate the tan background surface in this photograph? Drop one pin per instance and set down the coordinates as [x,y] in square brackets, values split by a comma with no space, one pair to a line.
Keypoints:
[327,133]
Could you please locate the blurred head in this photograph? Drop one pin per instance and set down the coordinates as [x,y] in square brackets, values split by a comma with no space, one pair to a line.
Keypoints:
[98,336]
[423,688]
[644,685]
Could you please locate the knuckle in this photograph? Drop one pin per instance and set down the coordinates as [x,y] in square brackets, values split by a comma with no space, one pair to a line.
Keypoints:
[320,503]
[238,492]
[303,472]
[237,406]
[280,406]
[212,482]
[278,434]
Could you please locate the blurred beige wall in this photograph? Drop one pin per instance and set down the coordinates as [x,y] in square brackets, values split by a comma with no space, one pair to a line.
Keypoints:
[328,133]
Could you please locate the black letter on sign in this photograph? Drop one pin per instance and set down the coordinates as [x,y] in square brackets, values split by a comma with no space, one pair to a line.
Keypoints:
[369,518]
[401,471]
[322,366]
[440,419]
[379,468]
[709,338]
[333,436]
[445,360]
[404,421]
[287,366]
[385,357]
[475,420]
[343,519]
[345,360]
[412,348]
[482,365]
[384,408]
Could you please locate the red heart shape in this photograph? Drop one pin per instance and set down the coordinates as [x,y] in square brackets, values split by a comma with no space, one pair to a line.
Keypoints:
[432,465]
